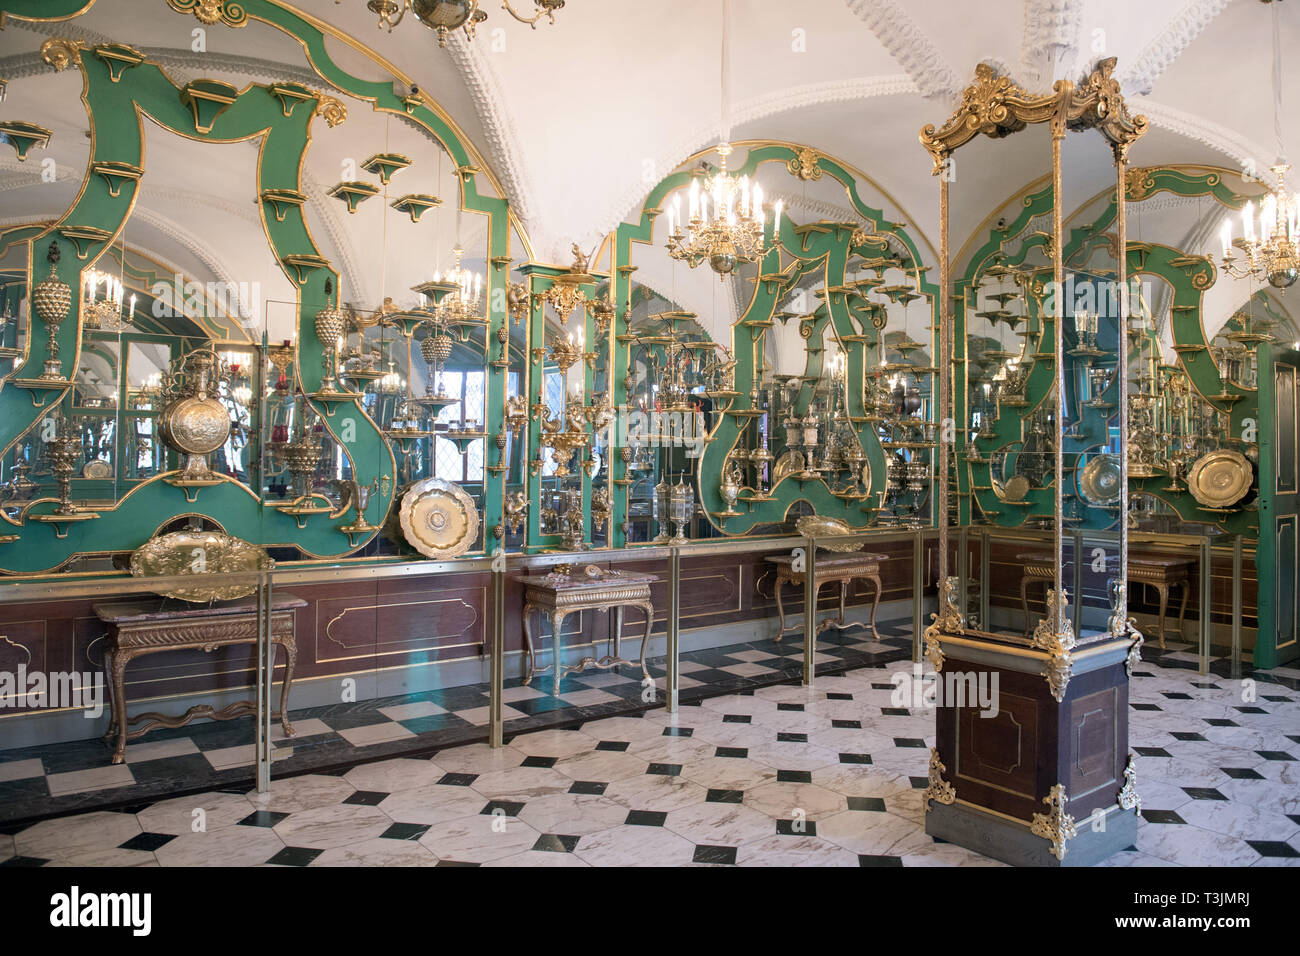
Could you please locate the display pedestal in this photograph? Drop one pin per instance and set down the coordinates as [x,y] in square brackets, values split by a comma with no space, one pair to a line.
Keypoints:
[1041,782]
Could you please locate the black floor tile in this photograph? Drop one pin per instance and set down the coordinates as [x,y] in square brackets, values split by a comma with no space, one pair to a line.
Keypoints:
[715,854]
[867,804]
[645,818]
[263,818]
[405,831]
[295,856]
[147,841]
[725,796]
[509,808]
[1273,849]
[556,843]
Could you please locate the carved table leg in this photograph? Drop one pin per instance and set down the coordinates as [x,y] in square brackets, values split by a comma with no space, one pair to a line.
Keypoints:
[108,686]
[1163,590]
[645,641]
[557,623]
[290,658]
[875,579]
[117,679]
[529,657]
[844,589]
[618,634]
[780,605]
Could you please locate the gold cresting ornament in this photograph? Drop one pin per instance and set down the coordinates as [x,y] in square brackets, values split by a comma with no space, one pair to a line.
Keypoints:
[805,165]
[332,110]
[213,12]
[939,790]
[949,620]
[60,53]
[1138,183]
[1055,635]
[1128,797]
[1056,825]
[995,106]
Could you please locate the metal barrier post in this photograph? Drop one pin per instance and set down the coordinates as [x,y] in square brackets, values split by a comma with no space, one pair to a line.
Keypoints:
[265,683]
[809,611]
[672,630]
[1236,606]
[1207,625]
[497,665]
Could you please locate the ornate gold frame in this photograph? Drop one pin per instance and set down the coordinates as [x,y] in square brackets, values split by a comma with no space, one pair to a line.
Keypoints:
[995,106]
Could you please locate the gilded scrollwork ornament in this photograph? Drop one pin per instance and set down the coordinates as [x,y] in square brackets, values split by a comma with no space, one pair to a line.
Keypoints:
[60,53]
[1055,635]
[1098,103]
[805,164]
[1138,183]
[1122,626]
[1128,798]
[949,620]
[332,111]
[939,789]
[213,12]
[1056,825]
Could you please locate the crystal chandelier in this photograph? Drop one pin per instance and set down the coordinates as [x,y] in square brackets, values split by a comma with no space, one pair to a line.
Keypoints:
[443,16]
[103,309]
[463,295]
[1270,248]
[726,224]
[726,218]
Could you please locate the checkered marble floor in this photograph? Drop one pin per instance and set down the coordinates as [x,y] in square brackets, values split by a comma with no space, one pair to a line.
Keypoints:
[77,776]
[775,775]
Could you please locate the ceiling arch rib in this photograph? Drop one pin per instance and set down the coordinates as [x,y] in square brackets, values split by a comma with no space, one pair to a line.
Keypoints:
[1243,151]
[911,46]
[503,138]
[1140,75]
[1051,40]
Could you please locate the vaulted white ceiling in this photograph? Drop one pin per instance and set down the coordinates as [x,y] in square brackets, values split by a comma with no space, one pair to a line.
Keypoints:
[579,119]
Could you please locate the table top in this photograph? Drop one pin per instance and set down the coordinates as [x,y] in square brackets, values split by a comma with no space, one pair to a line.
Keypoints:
[834,559]
[581,581]
[1141,559]
[165,609]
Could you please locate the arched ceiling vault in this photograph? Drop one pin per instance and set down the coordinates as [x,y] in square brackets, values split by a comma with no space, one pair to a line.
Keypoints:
[576,120]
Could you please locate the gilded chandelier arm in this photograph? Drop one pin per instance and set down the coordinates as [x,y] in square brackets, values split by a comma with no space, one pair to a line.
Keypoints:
[544,8]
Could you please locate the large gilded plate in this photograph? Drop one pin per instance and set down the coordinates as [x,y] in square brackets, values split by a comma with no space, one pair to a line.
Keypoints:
[203,554]
[438,518]
[815,526]
[1220,479]
[1099,482]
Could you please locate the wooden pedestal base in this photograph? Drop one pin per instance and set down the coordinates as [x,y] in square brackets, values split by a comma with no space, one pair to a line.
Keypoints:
[1031,780]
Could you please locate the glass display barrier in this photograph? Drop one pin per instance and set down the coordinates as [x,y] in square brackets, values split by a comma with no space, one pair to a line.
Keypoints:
[192,674]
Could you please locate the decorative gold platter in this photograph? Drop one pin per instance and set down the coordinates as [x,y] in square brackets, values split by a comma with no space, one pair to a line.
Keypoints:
[816,526]
[438,518]
[1099,481]
[201,554]
[1220,479]
[1014,488]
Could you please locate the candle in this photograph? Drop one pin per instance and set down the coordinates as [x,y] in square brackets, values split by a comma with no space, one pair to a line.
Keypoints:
[1226,236]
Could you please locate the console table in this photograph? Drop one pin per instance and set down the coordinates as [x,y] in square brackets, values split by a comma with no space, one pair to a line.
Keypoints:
[557,595]
[831,567]
[136,628]
[1161,571]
